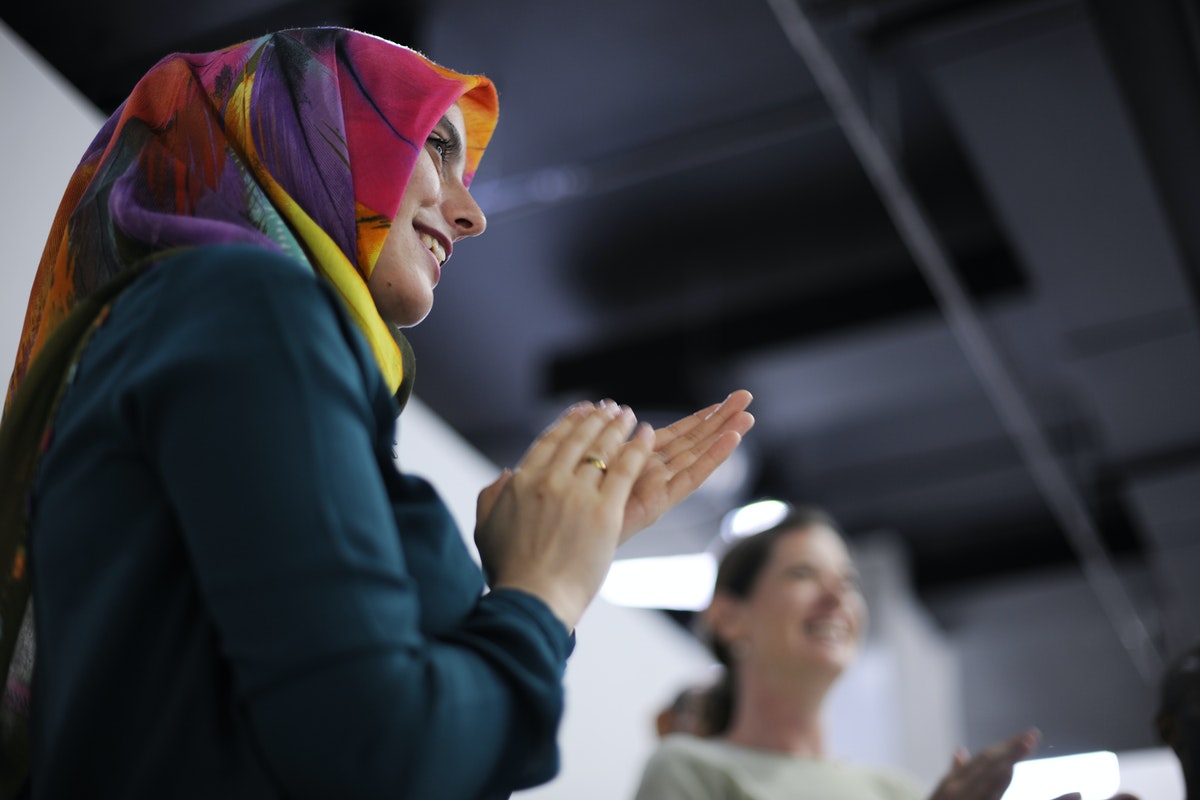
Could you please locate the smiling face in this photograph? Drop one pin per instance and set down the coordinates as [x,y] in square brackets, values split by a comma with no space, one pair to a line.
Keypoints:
[436,211]
[805,614]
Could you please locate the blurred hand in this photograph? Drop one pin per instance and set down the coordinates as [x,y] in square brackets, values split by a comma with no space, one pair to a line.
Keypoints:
[551,526]
[987,775]
[685,453]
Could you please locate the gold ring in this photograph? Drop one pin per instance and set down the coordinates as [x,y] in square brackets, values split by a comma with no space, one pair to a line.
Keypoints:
[596,462]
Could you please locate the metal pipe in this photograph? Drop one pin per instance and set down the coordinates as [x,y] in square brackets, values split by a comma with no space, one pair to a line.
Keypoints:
[916,229]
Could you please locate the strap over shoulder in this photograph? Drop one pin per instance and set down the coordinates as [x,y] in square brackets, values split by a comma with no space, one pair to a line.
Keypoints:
[24,434]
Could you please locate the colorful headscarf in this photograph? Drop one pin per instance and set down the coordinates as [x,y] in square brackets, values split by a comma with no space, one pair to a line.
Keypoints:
[302,142]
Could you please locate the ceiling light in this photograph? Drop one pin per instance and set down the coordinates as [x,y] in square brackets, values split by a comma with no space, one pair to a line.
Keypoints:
[752,518]
[683,582]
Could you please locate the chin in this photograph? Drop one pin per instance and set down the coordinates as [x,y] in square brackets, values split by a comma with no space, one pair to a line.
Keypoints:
[413,323]
[408,315]
[837,663]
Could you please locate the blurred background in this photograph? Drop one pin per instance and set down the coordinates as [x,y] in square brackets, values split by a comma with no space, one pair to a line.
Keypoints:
[951,246]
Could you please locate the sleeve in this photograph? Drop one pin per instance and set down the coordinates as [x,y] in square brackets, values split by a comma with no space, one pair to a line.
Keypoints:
[257,408]
[674,774]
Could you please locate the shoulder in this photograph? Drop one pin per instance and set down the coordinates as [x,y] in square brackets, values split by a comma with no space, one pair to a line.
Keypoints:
[682,746]
[720,754]
[229,272]
[685,766]
[217,295]
[238,314]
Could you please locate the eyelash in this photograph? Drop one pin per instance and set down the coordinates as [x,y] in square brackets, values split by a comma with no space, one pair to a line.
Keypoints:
[443,147]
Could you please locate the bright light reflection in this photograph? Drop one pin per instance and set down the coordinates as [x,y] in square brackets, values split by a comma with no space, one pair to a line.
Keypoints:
[677,582]
[1096,776]
[753,518]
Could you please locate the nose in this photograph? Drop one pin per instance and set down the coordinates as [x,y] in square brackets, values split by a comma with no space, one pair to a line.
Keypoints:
[835,590]
[464,213]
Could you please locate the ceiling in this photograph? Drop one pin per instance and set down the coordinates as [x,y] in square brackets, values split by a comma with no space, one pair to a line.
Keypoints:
[962,284]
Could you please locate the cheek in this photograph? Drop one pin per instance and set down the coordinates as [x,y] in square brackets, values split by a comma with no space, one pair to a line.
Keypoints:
[788,607]
[423,184]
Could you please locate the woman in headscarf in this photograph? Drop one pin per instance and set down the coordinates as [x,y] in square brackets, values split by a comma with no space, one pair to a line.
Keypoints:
[216,583]
[786,620]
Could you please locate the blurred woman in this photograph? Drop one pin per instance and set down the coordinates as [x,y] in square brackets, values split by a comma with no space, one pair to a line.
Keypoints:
[786,620]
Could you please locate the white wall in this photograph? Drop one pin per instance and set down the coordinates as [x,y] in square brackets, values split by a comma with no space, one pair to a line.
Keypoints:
[47,126]
[1040,651]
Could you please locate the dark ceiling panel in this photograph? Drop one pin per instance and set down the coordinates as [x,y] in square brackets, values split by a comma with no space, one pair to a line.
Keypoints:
[104,48]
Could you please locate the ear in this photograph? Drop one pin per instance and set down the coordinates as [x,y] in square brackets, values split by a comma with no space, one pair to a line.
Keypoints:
[725,617]
[663,724]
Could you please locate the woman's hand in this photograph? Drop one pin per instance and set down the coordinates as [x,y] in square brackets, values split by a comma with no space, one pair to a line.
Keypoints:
[987,775]
[551,526]
[685,454]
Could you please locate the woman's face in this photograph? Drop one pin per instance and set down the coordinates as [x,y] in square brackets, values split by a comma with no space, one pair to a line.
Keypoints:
[436,211]
[806,611]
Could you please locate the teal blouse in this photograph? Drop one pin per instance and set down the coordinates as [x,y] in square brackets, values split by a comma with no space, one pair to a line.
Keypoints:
[237,594]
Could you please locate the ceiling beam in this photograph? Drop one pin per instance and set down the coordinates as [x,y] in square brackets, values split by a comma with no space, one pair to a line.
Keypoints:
[915,228]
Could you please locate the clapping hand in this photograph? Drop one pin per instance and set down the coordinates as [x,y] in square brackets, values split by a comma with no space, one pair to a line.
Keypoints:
[551,525]
[986,776]
[685,453]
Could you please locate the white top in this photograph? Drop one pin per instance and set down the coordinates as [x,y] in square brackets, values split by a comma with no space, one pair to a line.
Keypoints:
[688,768]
